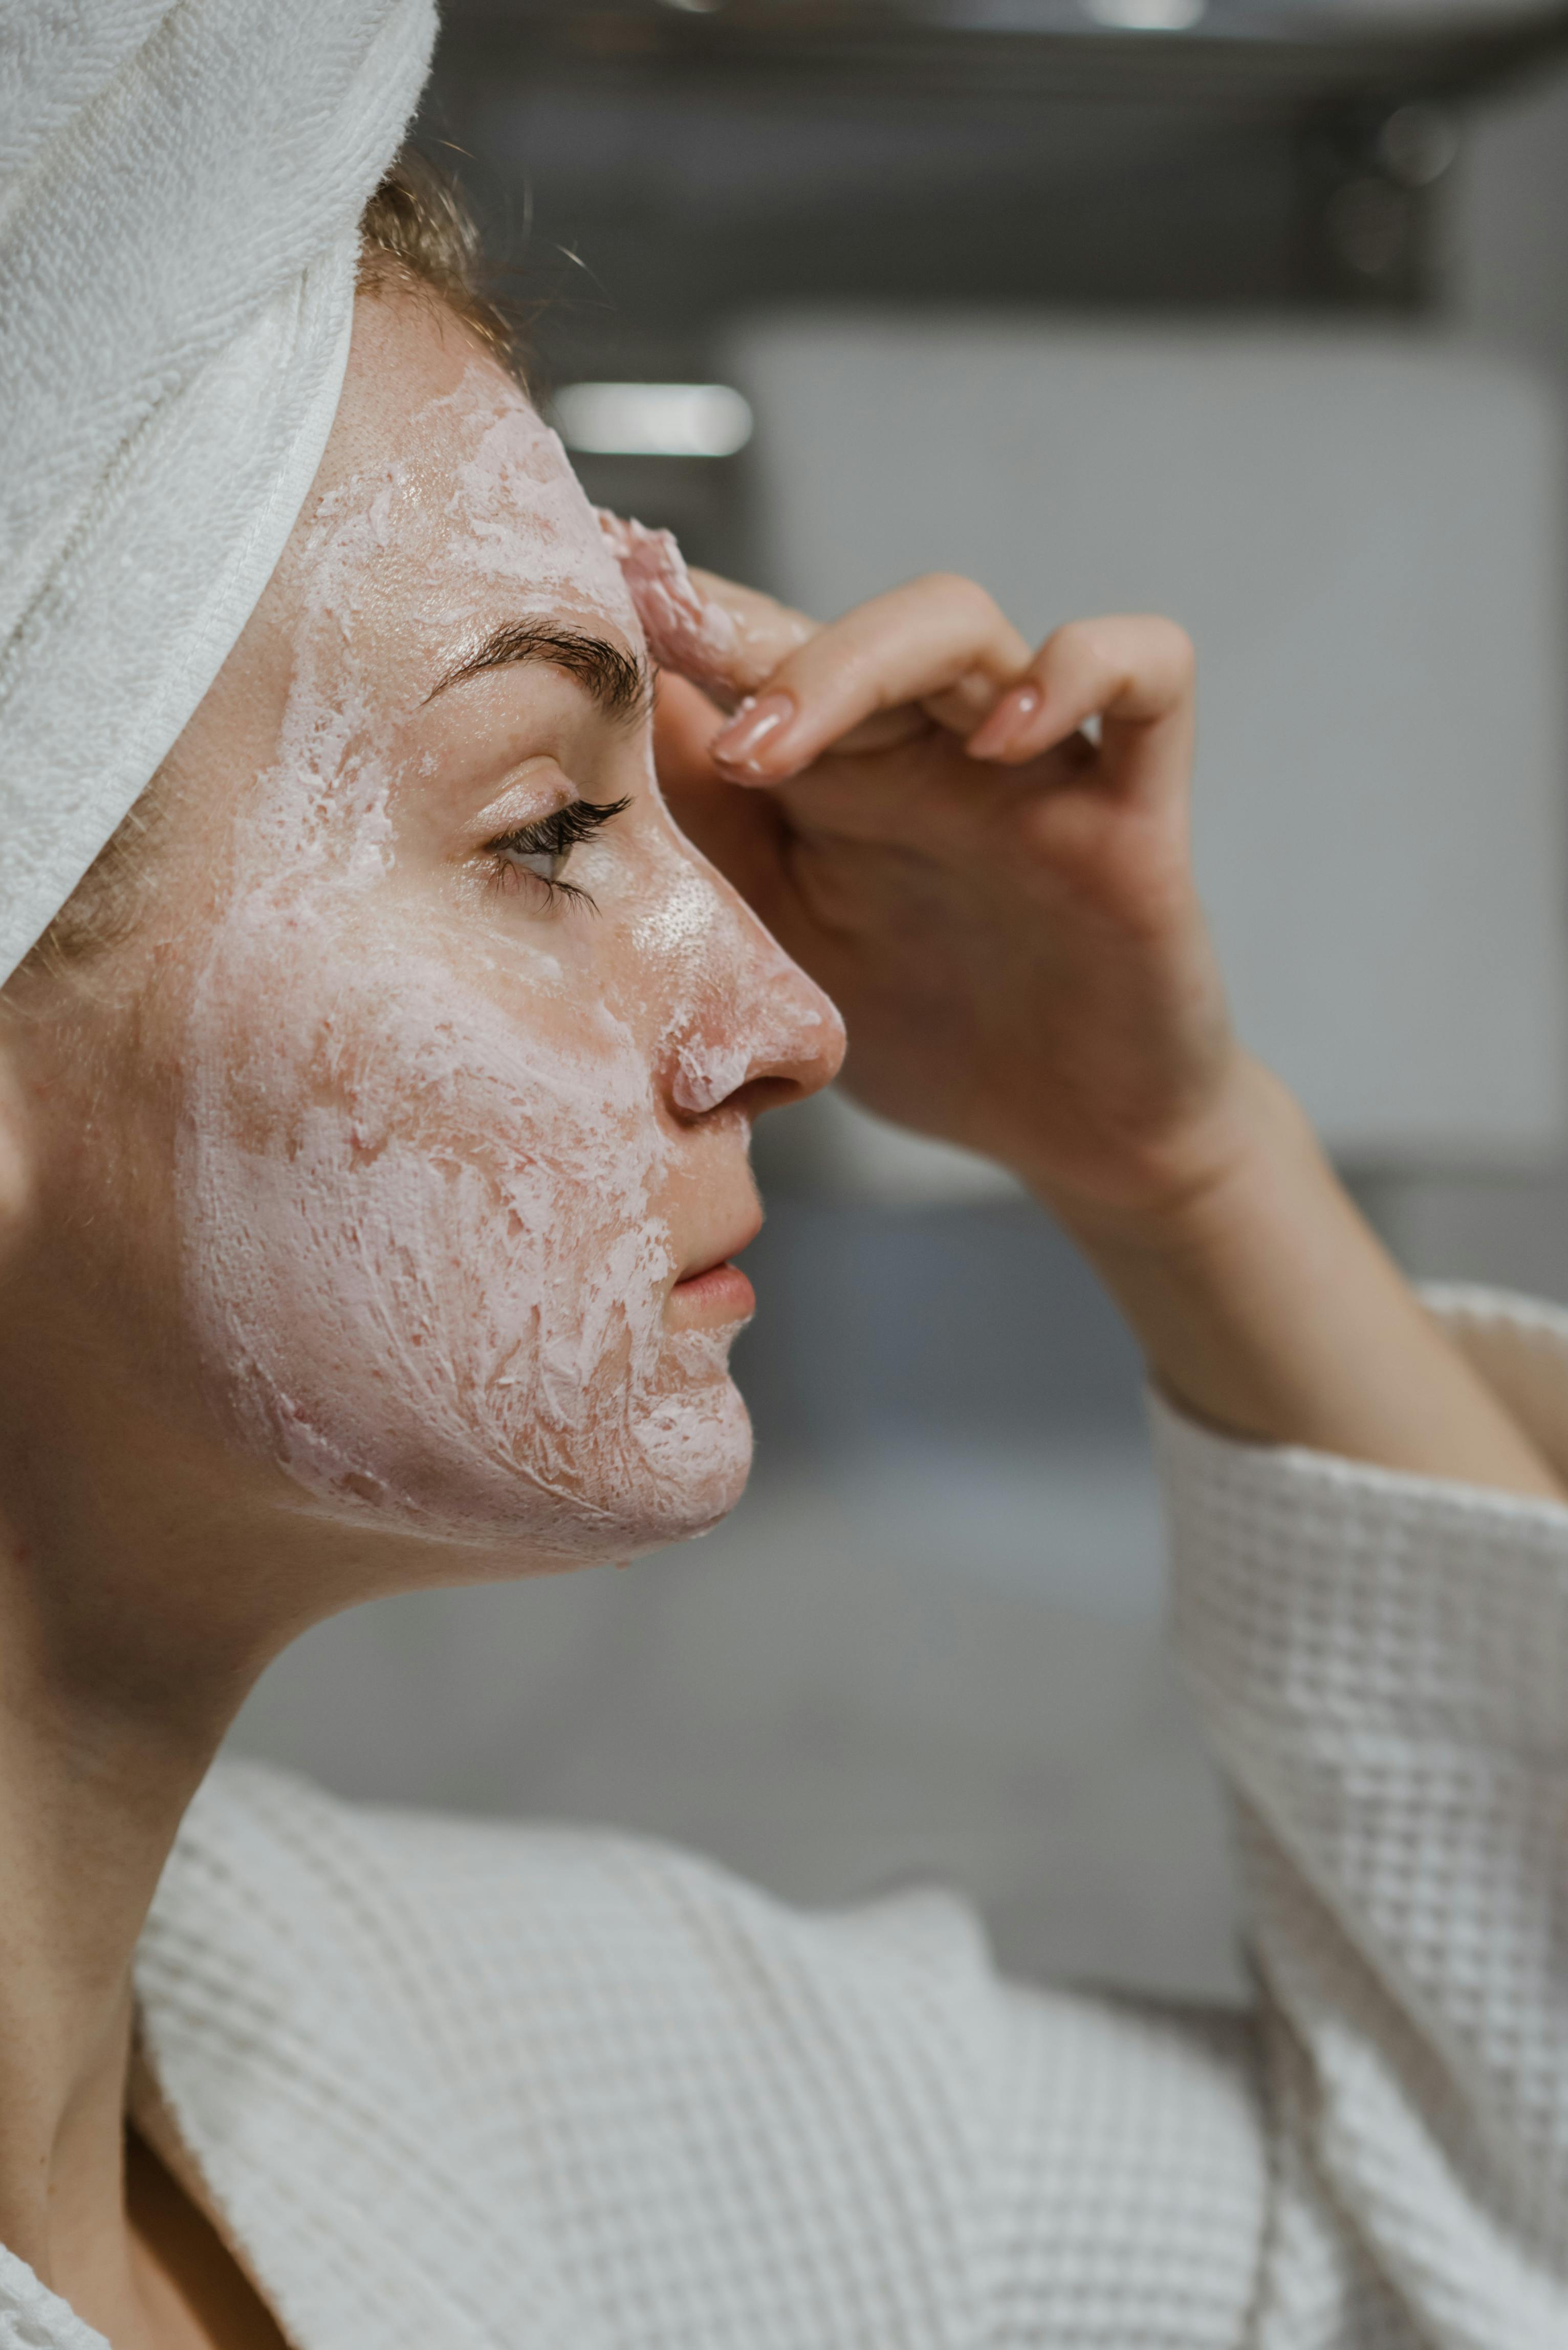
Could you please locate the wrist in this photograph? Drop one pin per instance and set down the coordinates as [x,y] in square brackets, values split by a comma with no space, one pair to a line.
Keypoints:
[1226,1270]
[1266,1307]
[1185,1194]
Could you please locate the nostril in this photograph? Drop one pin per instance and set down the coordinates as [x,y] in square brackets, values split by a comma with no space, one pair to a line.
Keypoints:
[773,1092]
[777,1041]
[759,1072]
[707,1075]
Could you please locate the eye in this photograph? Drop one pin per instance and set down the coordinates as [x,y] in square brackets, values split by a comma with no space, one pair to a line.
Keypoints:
[547,863]
[542,850]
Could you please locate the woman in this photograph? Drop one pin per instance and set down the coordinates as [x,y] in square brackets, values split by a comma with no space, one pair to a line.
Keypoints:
[373,1114]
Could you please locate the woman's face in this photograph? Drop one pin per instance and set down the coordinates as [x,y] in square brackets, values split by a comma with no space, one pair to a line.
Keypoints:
[438,1056]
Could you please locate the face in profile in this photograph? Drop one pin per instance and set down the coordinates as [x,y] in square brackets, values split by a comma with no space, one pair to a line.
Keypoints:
[456,1038]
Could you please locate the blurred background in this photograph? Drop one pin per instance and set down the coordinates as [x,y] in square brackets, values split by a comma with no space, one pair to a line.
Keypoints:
[1255,311]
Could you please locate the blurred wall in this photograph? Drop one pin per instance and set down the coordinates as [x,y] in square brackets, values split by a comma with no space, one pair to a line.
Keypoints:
[1505,288]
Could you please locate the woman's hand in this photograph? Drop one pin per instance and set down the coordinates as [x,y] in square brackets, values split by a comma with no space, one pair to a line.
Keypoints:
[1002,908]
[1003,904]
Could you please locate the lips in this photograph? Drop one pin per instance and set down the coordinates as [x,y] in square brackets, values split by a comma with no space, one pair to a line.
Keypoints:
[720,1262]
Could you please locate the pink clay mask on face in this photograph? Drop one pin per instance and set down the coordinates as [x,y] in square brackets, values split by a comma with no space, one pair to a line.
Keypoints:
[450,1143]
[685,631]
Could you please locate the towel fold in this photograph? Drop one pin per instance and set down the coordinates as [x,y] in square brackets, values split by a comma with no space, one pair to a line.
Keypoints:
[180,192]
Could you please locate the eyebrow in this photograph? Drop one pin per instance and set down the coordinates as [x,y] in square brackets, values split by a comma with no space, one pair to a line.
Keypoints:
[616,681]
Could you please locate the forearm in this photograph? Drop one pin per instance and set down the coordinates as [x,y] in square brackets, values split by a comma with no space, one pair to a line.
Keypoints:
[1266,1305]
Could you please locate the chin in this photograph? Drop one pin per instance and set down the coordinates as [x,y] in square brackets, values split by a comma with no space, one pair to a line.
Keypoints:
[637,1480]
[700,1453]
[685,1469]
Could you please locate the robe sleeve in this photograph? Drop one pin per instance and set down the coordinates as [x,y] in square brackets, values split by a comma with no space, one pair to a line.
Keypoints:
[1381,1664]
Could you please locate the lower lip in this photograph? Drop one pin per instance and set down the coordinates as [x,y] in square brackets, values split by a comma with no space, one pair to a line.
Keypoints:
[723,1289]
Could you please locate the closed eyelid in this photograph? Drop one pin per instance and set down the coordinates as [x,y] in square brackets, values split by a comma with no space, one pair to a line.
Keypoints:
[537,789]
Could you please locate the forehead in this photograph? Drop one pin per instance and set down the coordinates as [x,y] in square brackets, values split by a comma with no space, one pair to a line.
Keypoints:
[445,503]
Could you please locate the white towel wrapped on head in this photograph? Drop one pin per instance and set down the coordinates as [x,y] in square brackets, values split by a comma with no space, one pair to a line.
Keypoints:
[180,191]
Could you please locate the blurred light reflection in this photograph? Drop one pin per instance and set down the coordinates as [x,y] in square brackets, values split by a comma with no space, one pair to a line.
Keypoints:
[653,420]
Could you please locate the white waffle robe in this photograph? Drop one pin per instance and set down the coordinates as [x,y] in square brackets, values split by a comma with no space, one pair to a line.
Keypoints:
[452,2087]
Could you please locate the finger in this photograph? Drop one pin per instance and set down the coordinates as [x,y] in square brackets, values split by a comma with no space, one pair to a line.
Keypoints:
[722,638]
[765,632]
[921,643]
[1132,671]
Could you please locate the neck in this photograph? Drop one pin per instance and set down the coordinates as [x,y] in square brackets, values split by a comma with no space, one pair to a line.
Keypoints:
[147,1577]
[94,1778]
[136,1610]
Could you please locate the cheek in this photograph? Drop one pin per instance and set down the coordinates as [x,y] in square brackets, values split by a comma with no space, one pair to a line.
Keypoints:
[427,1254]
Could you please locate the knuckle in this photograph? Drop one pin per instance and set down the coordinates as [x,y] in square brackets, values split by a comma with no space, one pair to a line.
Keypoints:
[957,589]
[1079,642]
[1177,647]
[1121,645]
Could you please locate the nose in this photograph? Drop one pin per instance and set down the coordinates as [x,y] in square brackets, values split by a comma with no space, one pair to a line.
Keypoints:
[761,1033]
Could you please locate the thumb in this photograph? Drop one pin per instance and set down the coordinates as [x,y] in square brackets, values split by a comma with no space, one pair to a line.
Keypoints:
[684,724]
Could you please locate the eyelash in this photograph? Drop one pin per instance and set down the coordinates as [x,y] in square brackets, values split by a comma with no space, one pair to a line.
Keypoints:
[553,837]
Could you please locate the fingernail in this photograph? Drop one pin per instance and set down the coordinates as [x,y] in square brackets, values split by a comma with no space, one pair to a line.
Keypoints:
[1008,723]
[738,744]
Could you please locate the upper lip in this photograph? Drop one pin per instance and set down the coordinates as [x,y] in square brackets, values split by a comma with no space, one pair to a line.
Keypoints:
[743,1238]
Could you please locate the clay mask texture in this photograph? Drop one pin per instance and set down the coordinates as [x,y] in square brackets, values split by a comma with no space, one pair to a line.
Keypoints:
[684,631]
[438,1134]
